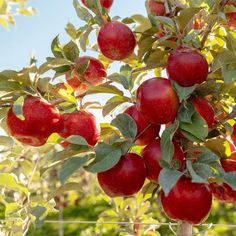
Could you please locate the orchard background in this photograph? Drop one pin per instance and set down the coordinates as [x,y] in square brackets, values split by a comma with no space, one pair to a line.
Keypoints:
[57,181]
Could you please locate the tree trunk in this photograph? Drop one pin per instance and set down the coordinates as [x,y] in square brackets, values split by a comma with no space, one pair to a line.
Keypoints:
[184,229]
[60,217]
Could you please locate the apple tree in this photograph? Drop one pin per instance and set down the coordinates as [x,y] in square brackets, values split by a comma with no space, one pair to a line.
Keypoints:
[171,107]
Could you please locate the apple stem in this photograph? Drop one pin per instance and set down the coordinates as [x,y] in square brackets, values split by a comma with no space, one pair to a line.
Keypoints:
[184,229]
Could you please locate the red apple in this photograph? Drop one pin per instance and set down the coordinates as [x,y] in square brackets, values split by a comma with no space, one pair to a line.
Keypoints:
[187,201]
[157,101]
[124,179]
[94,74]
[41,119]
[116,41]
[205,109]
[234,130]
[148,131]
[156,8]
[224,193]
[152,155]
[80,123]
[231,16]
[198,23]
[199,20]
[187,66]
[104,3]
[233,136]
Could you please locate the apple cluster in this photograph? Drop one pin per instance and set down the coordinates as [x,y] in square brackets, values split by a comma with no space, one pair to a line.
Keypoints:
[157,104]
[41,119]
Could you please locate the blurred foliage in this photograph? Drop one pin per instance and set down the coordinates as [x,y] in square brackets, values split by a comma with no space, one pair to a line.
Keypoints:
[10,8]
[92,207]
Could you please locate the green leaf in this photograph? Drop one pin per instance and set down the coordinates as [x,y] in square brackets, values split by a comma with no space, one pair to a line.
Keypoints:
[71,51]
[183,92]
[113,103]
[203,170]
[82,12]
[126,124]
[10,182]
[6,141]
[224,58]
[229,74]
[82,67]
[11,209]
[190,137]
[18,107]
[3,7]
[126,77]
[71,31]
[65,188]
[208,157]
[105,88]
[167,146]
[186,112]
[39,213]
[56,48]
[83,39]
[198,128]
[156,57]
[230,178]
[167,21]
[186,15]
[9,86]
[76,139]
[196,178]
[53,63]
[144,45]
[168,179]
[231,41]
[107,156]
[219,147]
[70,166]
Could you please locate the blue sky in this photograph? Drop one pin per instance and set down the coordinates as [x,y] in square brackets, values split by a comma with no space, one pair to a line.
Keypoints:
[34,34]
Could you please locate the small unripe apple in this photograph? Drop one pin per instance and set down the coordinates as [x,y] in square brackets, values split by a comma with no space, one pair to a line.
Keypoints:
[41,119]
[124,179]
[205,109]
[104,3]
[94,74]
[224,193]
[80,123]
[187,66]
[187,201]
[157,101]
[156,8]
[146,132]
[152,155]
[116,41]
